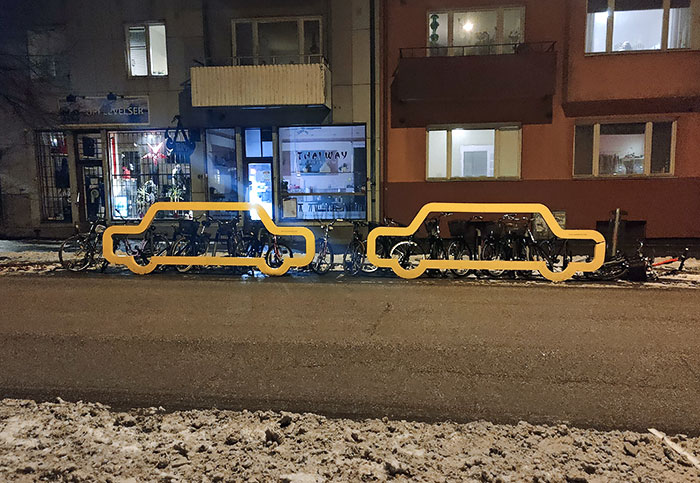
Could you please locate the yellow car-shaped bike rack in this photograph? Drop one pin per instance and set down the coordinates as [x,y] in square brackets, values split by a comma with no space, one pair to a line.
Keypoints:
[206,260]
[539,265]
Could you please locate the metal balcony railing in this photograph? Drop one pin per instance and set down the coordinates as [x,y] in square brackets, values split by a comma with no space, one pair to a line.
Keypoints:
[480,49]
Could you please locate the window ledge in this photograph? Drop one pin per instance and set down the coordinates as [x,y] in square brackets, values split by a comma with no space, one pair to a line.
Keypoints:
[637,52]
[442,180]
[629,176]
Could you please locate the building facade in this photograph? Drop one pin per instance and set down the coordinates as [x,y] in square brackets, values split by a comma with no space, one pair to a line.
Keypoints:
[114,105]
[585,106]
[353,109]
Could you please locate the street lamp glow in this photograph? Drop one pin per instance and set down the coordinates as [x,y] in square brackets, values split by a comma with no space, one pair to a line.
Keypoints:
[468,26]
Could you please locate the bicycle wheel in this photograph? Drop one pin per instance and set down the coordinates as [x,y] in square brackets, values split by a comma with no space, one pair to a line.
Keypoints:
[159,247]
[493,251]
[76,253]
[612,270]
[277,254]
[558,256]
[528,252]
[323,260]
[381,253]
[437,252]
[458,250]
[408,253]
[183,247]
[354,258]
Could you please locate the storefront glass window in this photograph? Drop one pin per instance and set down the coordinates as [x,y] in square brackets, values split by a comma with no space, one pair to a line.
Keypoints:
[221,165]
[143,170]
[323,172]
[52,157]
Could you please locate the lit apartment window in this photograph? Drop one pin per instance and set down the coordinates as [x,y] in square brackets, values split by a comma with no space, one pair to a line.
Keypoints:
[643,148]
[474,153]
[146,50]
[289,40]
[629,25]
[478,32]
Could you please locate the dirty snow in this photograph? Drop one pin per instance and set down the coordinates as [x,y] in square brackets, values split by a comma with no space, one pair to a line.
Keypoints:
[89,442]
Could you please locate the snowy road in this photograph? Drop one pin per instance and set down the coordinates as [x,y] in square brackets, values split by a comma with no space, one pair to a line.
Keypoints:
[601,357]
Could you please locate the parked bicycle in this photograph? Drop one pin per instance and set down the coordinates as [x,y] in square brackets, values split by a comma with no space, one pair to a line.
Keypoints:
[466,243]
[355,256]
[83,250]
[436,244]
[277,252]
[324,259]
[190,239]
[407,251]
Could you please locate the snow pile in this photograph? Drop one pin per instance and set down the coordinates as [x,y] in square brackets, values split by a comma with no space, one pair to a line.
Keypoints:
[88,442]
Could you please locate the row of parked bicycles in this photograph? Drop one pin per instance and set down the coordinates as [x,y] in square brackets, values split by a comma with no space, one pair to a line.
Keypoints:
[511,237]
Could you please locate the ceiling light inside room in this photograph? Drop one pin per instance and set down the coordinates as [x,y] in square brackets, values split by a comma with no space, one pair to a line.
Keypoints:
[468,26]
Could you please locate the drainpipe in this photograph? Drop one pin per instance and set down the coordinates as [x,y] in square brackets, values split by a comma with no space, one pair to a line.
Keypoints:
[384,109]
[205,31]
[374,185]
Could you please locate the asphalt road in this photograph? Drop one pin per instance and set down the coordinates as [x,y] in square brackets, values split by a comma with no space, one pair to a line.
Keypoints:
[605,358]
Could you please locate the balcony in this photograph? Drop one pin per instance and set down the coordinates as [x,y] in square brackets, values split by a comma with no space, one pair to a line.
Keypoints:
[263,82]
[474,84]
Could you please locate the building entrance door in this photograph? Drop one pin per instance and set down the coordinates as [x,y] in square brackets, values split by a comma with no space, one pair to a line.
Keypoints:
[257,163]
[91,186]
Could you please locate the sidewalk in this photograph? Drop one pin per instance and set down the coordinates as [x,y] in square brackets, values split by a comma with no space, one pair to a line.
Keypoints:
[41,256]
[29,255]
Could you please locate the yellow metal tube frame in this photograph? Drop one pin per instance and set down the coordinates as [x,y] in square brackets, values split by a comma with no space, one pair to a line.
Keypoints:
[540,265]
[206,260]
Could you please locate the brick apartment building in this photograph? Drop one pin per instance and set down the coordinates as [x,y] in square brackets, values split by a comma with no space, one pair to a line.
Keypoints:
[583,106]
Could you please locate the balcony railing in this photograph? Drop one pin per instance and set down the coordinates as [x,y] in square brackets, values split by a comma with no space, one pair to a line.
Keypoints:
[473,84]
[300,80]
[286,59]
[480,49]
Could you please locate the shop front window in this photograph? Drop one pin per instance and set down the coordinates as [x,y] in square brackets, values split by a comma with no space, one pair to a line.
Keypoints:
[323,172]
[52,157]
[221,165]
[143,170]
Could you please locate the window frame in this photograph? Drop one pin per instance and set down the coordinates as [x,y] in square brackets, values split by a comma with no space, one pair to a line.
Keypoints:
[255,21]
[56,57]
[51,195]
[496,152]
[113,151]
[146,25]
[364,190]
[648,133]
[450,12]
[664,32]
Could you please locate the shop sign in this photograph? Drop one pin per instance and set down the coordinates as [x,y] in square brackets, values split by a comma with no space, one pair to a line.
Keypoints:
[103,111]
[318,161]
